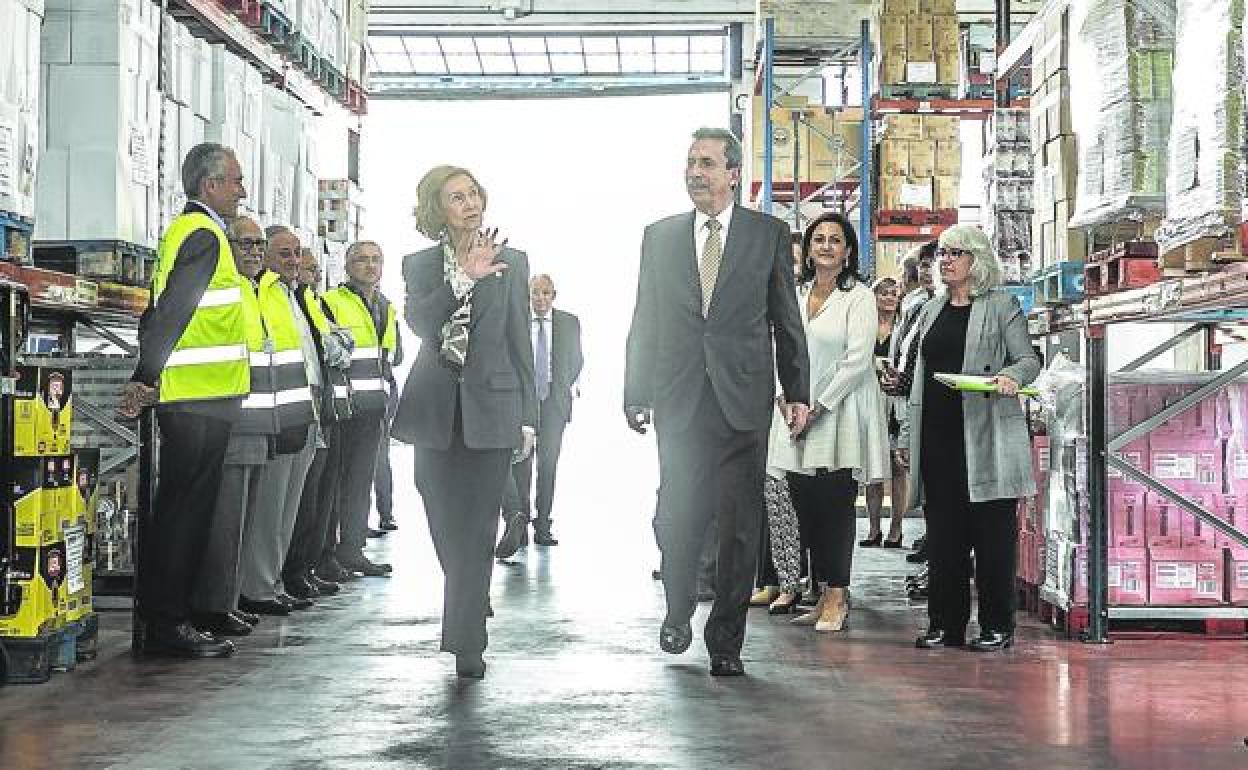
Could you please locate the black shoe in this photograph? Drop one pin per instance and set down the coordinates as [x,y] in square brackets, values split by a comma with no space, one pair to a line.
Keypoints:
[326,587]
[376,532]
[387,523]
[725,665]
[891,543]
[221,624]
[330,570]
[675,639]
[936,639]
[299,588]
[917,557]
[263,606]
[545,540]
[183,641]
[367,568]
[513,536]
[294,603]
[992,641]
[873,541]
[919,543]
[469,667]
[706,594]
[249,618]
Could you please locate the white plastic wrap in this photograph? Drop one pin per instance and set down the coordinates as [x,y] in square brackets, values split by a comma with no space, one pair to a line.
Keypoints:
[1125,109]
[1204,181]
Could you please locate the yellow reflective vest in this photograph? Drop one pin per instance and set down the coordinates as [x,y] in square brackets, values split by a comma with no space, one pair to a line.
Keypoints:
[290,392]
[367,367]
[210,359]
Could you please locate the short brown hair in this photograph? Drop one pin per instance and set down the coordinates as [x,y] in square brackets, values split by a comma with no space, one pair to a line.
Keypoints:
[430,219]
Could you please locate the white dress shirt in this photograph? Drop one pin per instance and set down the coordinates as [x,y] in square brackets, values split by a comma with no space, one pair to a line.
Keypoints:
[548,320]
[700,231]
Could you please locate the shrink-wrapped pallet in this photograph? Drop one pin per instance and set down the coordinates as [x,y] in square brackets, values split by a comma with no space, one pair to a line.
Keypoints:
[1124,144]
[1204,179]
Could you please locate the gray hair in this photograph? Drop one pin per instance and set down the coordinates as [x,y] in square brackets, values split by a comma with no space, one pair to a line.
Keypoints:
[354,249]
[732,146]
[204,161]
[272,231]
[985,269]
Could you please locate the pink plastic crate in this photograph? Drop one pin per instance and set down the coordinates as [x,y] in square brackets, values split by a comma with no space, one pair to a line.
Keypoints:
[1127,512]
[1237,576]
[1186,577]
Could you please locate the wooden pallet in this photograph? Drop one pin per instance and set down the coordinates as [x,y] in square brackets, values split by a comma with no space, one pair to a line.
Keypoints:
[920,91]
[118,261]
[1202,255]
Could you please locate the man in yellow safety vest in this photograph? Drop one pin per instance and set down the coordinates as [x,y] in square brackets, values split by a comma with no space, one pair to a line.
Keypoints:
[193,367]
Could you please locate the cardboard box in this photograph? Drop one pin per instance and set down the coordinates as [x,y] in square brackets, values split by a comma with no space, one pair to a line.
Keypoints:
[1057,106]
[917,193]
[1025,568]
[895,157]
[893,31]
[1061,164]
[1128,576]
[1237,575]
[945,32]
[43,411]
[1127,510]
[1051,53]
[948,66]
[892,67]
[890,190]
[944,7]
[942,128]
[1210,419]
[908,127]
[1233,509]
[949,159]
[947,192]
[1164,519]
[1186,577]
[922,158]
[1193,465]
[919,37]
[901,8]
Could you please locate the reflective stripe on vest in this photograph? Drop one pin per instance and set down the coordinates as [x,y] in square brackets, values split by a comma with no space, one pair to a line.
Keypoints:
[293,395]
[337,378]
[259,413]
[366,369]
[209,360]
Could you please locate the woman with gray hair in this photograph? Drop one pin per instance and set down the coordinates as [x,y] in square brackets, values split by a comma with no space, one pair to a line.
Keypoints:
[470,404]
[970,453]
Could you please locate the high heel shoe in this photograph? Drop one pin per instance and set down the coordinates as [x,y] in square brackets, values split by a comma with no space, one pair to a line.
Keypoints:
[784,604]
[873,541]
[764,596]
[835,613]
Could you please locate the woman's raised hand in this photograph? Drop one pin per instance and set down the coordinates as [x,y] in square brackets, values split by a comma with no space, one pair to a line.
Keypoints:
[483,250]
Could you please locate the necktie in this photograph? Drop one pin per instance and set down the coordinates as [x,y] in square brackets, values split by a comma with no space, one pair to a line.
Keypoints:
[541,360]
[708,266]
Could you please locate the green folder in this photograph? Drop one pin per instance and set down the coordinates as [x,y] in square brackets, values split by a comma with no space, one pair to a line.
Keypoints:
[975,384]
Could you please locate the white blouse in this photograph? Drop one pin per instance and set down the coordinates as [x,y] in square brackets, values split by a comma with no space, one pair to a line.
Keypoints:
[852,431]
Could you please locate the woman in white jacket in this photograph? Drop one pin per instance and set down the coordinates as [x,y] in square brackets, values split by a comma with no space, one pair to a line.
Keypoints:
[846,441]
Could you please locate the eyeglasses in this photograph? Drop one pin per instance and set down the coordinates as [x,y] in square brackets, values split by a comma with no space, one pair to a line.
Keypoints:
[949,255]
[249,244]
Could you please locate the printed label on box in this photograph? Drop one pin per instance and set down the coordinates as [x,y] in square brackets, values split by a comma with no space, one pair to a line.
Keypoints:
[1171,465]
[1239,464]
[75,542]
[8,159]
[140,158]
[1173,575]
[1241,574]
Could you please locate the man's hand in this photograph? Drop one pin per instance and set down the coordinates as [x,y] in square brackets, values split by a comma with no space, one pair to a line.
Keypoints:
[901,457]
[796,416]
[135,397]
[527,442]
[638,418]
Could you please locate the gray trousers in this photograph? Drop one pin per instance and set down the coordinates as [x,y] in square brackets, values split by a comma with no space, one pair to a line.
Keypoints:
[359,438]
[267,533]
[216,587]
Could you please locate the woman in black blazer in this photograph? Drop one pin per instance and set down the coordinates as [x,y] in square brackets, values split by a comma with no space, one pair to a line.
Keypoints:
[470,402]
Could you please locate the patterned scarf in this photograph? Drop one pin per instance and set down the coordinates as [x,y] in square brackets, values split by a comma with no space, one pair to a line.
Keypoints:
[454,347]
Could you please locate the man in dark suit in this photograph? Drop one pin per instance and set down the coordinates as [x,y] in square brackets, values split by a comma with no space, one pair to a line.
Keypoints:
[557,362]
[715,288]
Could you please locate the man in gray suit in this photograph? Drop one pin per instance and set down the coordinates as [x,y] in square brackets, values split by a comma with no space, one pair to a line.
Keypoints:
[557,361]
[715,289]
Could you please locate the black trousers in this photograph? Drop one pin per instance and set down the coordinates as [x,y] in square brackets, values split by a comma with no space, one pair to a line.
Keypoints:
[826,516]
[707,470]
[461,489]
[956,527]
[551,425]
[316,510]
[355,462]
[192,462]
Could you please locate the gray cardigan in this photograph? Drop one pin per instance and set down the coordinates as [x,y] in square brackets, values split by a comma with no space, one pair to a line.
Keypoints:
[998,447]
